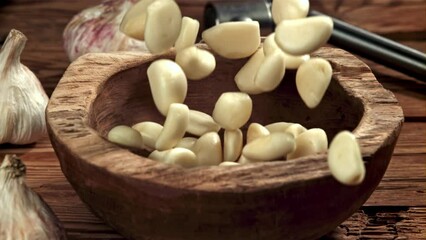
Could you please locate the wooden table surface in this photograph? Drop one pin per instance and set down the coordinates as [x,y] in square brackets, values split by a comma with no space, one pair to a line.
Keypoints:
[396,210]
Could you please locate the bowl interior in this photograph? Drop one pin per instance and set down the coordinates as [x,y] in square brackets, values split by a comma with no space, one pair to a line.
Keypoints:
[125,99]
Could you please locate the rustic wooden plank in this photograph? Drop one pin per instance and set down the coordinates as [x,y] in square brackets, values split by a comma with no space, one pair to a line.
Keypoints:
[404,183]
[45,177]
[380,16]
[383,223]
[412,139]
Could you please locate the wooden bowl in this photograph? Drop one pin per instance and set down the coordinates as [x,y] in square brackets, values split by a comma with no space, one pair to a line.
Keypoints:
[144,199]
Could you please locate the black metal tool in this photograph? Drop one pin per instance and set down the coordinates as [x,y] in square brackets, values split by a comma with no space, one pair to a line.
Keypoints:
[351,38]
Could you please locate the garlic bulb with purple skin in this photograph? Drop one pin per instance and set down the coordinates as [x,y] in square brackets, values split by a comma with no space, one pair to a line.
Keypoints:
[24,214]
[22,98]
[96,29]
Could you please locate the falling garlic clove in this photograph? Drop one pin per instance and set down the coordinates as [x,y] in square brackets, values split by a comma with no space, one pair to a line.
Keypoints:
[245,76]
[233,40]
[22,98]
[232,110]
[345,159]
[163,23]
[188,33]
[303,36]
[168,84]
[195,62]
[291,61]
[289,9]
[24,214]
[312,80]
[271,72]
[133,23]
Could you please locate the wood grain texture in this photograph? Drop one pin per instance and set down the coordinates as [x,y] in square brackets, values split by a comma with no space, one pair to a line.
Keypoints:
[404,184]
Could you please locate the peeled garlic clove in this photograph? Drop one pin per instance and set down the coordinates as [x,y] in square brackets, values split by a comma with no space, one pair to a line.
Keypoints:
[345,160]
[163,22]
[158,155]
[188,33]
[232,145]
[289,9]
[168,84]
[201,123]
[182,157]
[150,132]
[227,164]
[133,23]
[271,72]
[187,142]
[233,40]
[269,45]
[244,160]
[174,127]
[208,149]
[313,141]
[291,62]
[232,110]
[24,214]
[245,76]
[196,63]
[303,36]
[272,147]
[178,156]
[278,126]
[96,29]
[126,136]
[312,80]
[295,129]
[22,98]
[256,130]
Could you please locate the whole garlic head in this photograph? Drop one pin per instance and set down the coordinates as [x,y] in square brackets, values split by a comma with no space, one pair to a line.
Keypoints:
[22,98]
[24,215]
[96,29]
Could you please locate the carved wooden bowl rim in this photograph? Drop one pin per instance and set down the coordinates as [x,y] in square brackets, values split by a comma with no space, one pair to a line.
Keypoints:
[67,119]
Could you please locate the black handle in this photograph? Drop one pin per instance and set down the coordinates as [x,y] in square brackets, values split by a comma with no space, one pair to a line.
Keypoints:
[356,40]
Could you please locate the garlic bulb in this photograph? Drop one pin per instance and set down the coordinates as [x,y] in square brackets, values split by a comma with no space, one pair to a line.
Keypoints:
[96,29]
[22,98]
[24,215]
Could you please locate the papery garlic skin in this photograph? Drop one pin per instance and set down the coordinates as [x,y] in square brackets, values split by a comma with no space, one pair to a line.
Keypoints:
[22,98]
[97,29]
[24,215]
